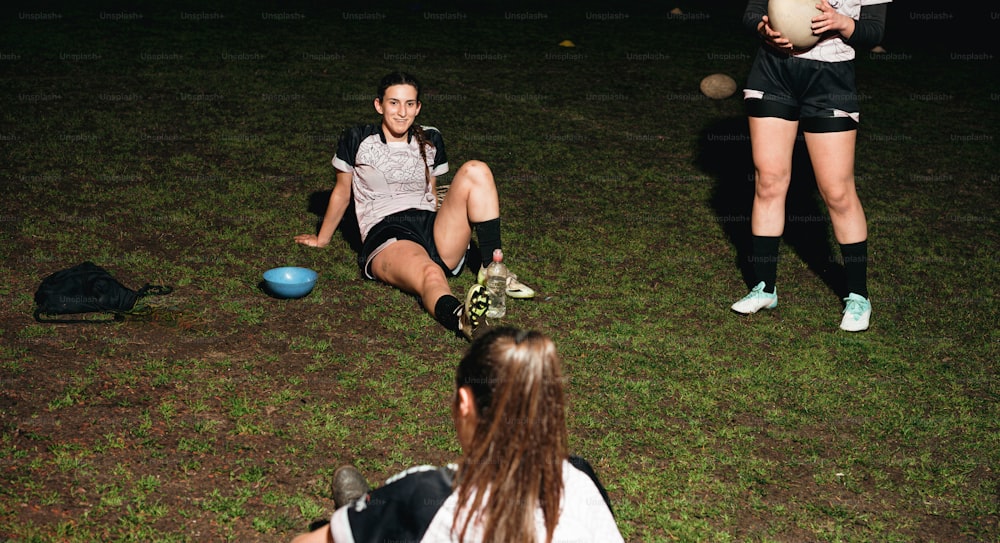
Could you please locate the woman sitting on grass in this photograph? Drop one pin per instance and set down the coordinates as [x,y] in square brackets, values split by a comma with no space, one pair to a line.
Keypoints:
[391,169]
[515,480]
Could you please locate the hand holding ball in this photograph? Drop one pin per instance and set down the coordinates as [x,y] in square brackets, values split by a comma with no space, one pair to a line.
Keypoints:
[793,18]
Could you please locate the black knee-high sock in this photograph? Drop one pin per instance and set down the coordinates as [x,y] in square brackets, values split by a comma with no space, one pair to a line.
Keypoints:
[446,311]
[856,265]
[488,236]
[765,260]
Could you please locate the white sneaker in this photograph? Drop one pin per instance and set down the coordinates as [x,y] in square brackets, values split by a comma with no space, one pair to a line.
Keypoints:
[515,288]
[756,300]
[857,313]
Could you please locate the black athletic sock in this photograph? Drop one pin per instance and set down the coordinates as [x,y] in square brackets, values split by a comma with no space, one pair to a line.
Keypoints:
[446,311]
[765,260]
[856,265]
[488,236]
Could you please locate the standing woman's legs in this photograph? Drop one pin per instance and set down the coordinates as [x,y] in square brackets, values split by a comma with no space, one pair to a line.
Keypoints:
[772,141]
[832,156]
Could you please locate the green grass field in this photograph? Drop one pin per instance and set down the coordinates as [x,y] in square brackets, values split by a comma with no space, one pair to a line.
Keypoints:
[186,146]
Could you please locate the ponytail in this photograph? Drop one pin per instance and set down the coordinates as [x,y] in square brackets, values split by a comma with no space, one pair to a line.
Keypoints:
[422,143]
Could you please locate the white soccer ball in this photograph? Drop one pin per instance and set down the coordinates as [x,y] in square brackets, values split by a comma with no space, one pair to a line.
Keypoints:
[718,86]
[793,18]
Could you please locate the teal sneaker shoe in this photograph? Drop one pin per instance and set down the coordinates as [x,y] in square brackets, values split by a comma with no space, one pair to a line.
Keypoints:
[756,300]
[857,313]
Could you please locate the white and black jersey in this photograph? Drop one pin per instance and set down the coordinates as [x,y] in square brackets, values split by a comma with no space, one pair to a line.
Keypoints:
[834,48]
[389,176]
[816,87]
[419,505]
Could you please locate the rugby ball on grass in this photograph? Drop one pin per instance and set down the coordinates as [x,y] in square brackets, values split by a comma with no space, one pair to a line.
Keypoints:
[718,86]
[793,18]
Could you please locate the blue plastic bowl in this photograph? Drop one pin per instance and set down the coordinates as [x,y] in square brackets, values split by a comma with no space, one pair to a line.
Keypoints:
[290,281]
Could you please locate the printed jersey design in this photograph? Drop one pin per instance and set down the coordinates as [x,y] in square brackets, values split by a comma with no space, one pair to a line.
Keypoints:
[419,505]
[834,49]
[388,177]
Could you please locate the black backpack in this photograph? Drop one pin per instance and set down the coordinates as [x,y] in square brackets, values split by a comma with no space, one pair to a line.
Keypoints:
[87,288]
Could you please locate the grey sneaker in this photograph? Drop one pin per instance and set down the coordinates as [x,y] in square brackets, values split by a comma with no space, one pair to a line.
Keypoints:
[348,486]
[756,300]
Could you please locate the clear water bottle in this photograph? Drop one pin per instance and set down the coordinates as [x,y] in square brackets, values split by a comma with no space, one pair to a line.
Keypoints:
[496,282]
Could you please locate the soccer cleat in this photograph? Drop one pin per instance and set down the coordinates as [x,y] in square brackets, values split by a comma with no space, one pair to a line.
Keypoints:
[756,300]
[857,313]
[348,486]
[473,315]
[515,288]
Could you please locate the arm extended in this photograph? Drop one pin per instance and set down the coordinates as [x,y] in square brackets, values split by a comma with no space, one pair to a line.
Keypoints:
[339,200]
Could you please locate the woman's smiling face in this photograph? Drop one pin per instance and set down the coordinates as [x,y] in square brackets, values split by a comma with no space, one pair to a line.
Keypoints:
[399,107]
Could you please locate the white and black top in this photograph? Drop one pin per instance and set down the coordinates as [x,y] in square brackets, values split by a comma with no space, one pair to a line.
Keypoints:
[867,30]
[388,176]
[836,49]
[419,505]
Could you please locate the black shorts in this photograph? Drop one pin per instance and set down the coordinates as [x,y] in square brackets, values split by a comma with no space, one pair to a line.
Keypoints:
[416,225]
[823,96]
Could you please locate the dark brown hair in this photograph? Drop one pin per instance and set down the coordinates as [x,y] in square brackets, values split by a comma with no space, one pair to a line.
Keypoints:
[520,440]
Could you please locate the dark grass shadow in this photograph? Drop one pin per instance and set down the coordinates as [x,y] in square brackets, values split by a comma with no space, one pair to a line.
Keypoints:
[317,524]
[724,153]
[348,228]
[807,224]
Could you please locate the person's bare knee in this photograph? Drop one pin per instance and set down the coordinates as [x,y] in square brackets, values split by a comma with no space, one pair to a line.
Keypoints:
[841,198]
[772,183]
[432,277]
[472,198]
[474,175]
[476,170]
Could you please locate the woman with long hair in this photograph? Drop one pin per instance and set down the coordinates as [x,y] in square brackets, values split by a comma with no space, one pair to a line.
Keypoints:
[390,171]
[515,481]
